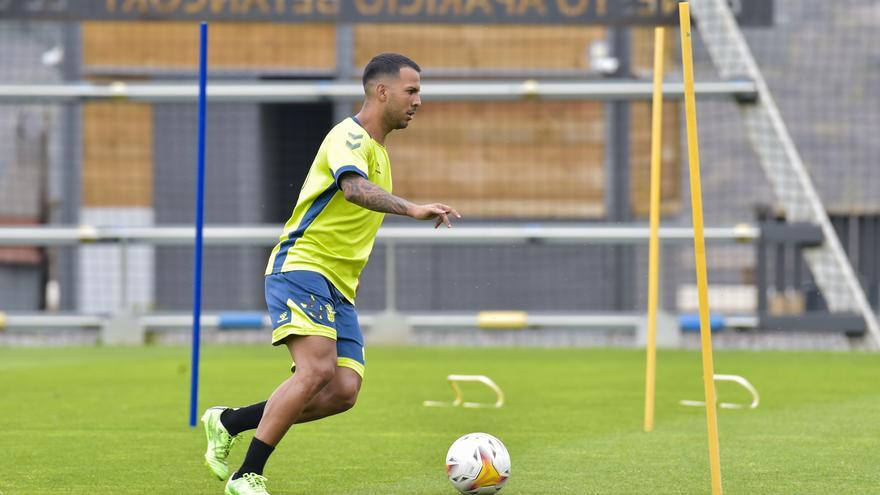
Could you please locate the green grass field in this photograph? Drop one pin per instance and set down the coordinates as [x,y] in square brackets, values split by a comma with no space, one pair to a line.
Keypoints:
[114,421]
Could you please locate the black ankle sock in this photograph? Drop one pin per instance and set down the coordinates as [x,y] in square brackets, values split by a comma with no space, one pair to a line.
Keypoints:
[255,459]
[244,418]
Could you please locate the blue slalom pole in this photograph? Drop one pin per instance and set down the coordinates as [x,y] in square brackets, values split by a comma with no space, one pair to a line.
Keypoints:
[200,221]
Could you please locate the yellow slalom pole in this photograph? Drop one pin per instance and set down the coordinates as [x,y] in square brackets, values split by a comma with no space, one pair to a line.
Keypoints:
[699,244]
[654,244]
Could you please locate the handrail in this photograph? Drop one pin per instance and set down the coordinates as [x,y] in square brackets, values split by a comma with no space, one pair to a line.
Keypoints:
[328,90]
[268,235]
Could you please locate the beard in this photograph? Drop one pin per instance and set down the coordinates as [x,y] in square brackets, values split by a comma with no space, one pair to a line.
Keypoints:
[399,123]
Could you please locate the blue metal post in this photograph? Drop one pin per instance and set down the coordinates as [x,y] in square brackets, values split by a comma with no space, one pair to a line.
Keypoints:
[200,220]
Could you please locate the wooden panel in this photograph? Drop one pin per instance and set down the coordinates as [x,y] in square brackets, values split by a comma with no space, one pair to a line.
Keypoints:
[499,47]
[20,256]
[232,45]
[117,154]
[504,159]
[640,159]
[313,46]
[528,208]
[643,50]
[479,47]
[23,256]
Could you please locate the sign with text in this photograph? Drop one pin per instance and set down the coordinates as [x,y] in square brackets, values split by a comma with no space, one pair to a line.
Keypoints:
[588,12]
[596,12]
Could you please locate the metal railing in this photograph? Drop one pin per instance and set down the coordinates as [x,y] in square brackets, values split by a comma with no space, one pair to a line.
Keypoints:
[267,235]
[266,92]
[390,237]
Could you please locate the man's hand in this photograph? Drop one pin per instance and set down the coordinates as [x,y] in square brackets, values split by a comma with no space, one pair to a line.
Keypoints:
[364,193]
[438,212]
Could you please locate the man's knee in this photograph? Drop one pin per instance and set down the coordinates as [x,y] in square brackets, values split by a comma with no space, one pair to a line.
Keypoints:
[317,374]
[346,396]
[345,391]
[315,358]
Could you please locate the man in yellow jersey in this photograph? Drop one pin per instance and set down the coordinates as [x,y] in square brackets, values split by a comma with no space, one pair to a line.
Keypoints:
[312,275]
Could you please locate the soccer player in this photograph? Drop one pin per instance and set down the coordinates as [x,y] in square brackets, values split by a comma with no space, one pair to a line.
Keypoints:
[312,275]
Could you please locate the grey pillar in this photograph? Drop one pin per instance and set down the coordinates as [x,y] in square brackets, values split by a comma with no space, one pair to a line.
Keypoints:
[63,261]
[617,195]
[345,69]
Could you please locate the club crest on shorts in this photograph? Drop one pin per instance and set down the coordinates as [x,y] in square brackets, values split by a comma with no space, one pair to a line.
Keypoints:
[283,317]
[331,315]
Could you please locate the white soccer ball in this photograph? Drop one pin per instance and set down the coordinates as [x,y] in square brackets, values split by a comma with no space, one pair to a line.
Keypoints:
[478,463]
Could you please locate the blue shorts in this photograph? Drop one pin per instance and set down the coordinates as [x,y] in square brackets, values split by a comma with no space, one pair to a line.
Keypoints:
[305,303]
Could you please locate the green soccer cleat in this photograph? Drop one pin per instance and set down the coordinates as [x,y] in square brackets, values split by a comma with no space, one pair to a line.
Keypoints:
[248,484]
[219,443]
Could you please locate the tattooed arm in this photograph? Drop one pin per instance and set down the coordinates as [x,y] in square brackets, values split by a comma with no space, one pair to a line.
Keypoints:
[366,194]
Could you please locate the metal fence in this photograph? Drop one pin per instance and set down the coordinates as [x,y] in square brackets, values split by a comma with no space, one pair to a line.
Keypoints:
[508,153]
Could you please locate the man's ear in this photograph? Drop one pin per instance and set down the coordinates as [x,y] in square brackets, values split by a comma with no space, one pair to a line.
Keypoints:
[381,92]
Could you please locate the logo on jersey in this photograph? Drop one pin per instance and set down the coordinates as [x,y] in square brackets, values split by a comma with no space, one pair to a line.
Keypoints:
[283,317]
[354,137]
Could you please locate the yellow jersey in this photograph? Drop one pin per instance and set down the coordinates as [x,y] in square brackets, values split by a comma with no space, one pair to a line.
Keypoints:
[326,233]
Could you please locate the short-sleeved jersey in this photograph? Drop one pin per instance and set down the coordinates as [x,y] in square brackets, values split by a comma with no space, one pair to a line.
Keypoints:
[326,233]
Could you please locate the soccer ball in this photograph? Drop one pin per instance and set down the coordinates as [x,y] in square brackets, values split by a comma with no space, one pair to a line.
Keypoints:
[478,463]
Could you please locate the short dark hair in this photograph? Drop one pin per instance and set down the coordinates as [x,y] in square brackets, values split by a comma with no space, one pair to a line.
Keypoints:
[387,64]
